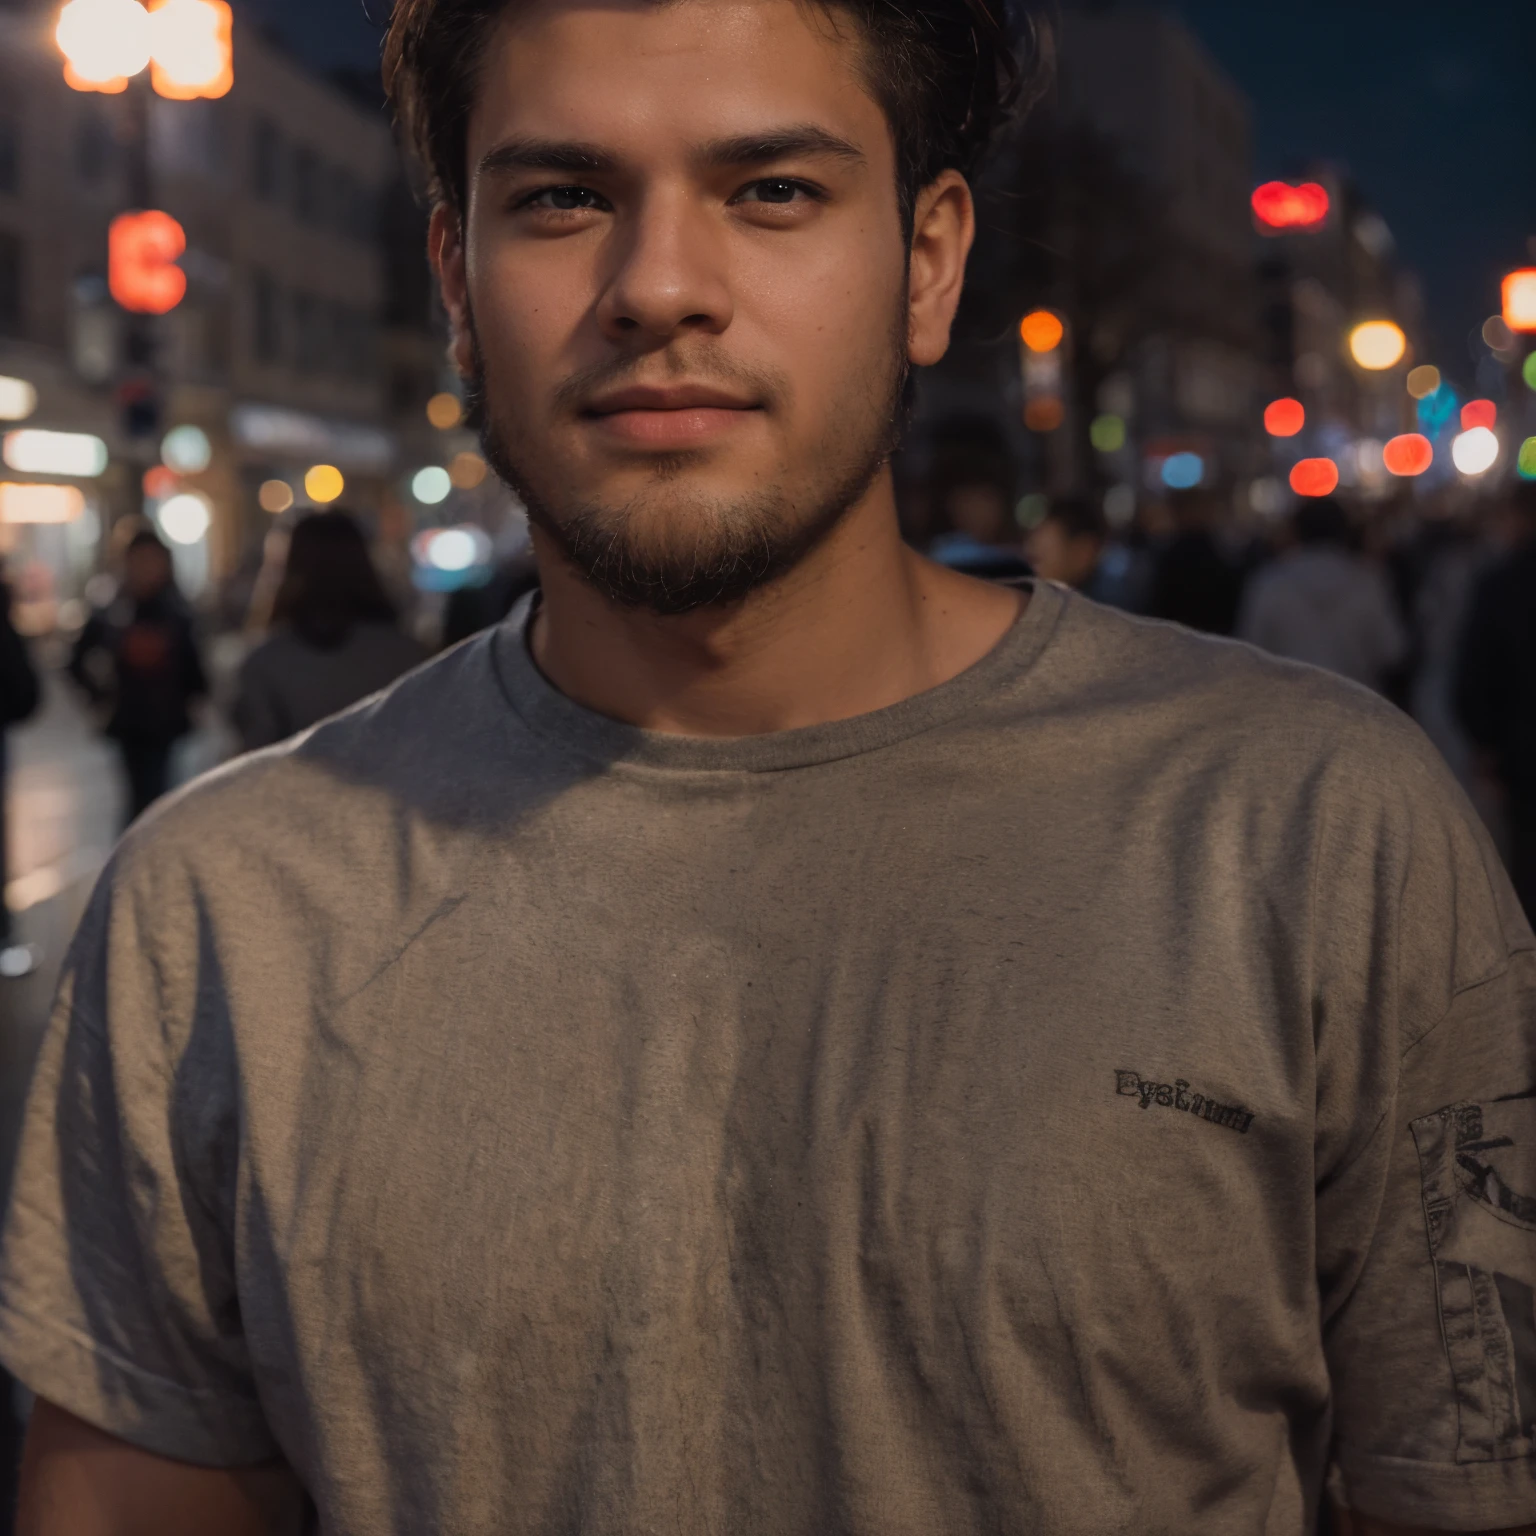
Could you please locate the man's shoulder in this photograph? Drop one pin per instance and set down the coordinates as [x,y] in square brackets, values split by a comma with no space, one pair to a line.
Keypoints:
[419,748]
[1168,684]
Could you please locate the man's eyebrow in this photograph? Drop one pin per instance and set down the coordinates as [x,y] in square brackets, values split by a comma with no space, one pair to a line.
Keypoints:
[567,157]
[781,144]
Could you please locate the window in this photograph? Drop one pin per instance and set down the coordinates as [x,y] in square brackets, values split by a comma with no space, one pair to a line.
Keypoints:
[310,341]
[10,154]
[306,176]
[10,284]
[93,145]
[267,320]
[266,160]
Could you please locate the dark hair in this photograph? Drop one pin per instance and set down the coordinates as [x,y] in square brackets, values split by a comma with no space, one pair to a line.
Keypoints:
[1321,521]
[329,582]
[147,538]
[1081,517]
[947,74]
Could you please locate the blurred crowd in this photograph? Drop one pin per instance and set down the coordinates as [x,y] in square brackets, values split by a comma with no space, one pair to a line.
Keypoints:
[1430,603]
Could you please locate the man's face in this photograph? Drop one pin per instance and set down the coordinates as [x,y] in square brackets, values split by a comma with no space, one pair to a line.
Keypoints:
[683,285]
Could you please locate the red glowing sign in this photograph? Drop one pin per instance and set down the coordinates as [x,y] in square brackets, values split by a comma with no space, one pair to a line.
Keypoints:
[1279,205]
[1410,454]
[1315,477]
[1284,418]
[1479,413]
[141,264]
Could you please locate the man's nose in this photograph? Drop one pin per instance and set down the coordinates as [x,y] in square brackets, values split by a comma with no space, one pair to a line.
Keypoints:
[669,272]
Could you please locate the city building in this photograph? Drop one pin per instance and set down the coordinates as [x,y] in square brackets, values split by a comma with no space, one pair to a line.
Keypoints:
[293,348]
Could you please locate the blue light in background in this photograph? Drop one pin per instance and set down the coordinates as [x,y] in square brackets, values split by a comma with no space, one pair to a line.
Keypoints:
[1183,471]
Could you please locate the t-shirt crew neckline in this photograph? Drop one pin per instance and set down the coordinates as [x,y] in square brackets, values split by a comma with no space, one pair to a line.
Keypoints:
[551,714]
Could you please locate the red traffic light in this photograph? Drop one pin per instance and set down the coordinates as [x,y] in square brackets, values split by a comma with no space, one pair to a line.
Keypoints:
[1278,205]
[143,249]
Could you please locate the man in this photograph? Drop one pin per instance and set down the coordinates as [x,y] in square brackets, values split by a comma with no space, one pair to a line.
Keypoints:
[779,1037]
[1496,685]
[1067,544]
[1321,603]
[1193,581]
[20,694]
[138,660]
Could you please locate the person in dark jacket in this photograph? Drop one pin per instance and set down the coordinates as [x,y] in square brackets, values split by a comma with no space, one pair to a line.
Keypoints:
[1193,582]
[1496,687]
[138,659]
[19,694]
[334,639]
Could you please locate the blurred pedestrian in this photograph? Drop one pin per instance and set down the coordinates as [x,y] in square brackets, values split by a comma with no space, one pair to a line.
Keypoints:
[137,660]
[1193,581]
[979,536]
[1496,687]
[1067,544]
[334,639]
[19,694]
[1321,603]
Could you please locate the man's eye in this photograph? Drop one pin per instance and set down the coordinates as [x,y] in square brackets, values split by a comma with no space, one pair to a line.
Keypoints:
[774,189]
[564,199]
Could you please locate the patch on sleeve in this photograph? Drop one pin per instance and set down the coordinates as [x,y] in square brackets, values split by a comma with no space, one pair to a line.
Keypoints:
[1478,1166]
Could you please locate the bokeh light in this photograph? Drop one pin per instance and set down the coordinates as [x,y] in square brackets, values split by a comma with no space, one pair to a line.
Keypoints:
[1315,477]
[160,483]
[1377,345]
[1526,462]
[1284,418]
[104,42]
[431,485]
[34,451]
[1479,413]
[1423,381]
[445,412]
[1031,510]
[1497,336]
[275,496]
[18,399]
[35,503]
[186,518]
[1475,452]
[1045,414]
[467,471]
[1107,433]
[1183,471]
[324,484]
[1528,371]
[1410,454]
[1520,300]
[1279,205]
[186,450]
[190,45]
[1041,331]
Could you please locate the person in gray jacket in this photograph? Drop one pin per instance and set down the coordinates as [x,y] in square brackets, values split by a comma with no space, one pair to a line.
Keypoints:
[335,636]
[1321,603]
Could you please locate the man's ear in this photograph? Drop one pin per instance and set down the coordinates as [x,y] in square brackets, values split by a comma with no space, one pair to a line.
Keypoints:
[943,227]
[445,250]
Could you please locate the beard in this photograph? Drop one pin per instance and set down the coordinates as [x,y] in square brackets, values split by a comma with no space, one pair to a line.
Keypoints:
[672,548]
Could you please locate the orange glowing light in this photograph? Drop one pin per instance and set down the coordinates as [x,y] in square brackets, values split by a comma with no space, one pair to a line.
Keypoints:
[161,483]
[1284,418]
[143,249]
[1279,205]
[1410,454]
[193,48]
[1045,414]
[1315,477]
[1520,300]
[1479,413]
[1041,331]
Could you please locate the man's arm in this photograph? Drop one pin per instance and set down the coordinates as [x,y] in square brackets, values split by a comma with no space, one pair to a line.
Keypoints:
[78,1481]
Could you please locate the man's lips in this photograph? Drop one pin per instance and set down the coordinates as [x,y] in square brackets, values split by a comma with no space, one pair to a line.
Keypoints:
[669,416]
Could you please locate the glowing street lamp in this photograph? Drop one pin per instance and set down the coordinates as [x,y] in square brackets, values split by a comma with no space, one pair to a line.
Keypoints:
[185,44]
[1377,345]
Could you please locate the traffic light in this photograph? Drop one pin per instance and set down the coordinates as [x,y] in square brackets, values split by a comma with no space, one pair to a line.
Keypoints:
[143,249]
[1042,335]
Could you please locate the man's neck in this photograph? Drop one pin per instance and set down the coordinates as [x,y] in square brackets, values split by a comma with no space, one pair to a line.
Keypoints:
[863,622]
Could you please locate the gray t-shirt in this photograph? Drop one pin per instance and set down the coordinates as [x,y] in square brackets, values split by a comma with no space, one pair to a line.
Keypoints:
[1087,1097]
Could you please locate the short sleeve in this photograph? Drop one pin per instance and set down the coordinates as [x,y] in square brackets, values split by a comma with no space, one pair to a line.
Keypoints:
[1433,1354]
[118,1300]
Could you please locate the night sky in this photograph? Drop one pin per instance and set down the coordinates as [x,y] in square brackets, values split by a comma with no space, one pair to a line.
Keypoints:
[1431,104]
